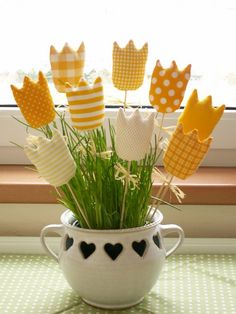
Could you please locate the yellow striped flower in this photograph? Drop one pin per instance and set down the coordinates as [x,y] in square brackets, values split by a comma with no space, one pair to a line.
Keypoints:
[67,66]
[185,153]
[168,87]
[35,101]
[200,115]
[52,158]
[128,66]
[133,134]
[86,105]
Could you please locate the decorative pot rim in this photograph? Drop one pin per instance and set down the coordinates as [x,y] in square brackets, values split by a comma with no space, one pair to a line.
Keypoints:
[157,219]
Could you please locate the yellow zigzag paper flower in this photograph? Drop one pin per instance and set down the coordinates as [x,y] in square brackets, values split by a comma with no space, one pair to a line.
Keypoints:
[35,101]
[67,66]
[200,115]
[52,158]
[168,87]
[129,66]
[184,153]
[86,105]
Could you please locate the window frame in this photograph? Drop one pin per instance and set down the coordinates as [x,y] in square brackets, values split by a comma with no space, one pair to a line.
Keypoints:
[222,151]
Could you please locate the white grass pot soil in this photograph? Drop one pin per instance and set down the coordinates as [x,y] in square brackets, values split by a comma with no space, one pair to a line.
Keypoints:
[112,269]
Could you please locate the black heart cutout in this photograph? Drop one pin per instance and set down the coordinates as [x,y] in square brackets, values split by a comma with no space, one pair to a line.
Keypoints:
[113,250]
[157,241]
[87,249]
[139,247]
[68,243]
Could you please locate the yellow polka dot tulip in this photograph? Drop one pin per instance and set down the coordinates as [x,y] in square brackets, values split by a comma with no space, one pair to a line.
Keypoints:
[52,158]
[129,66]
[185,153]
[67,66]
[200,115]
[168,87]
[86,105]
[35,101]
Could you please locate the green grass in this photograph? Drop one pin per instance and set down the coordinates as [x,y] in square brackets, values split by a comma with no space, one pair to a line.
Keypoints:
[95,195]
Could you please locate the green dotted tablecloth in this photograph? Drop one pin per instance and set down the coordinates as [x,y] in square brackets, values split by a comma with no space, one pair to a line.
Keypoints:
[201,284]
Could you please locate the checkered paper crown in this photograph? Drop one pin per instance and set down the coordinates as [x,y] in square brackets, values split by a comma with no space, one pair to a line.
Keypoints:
[191,139]
[129,66]
[184,153]
[67,66]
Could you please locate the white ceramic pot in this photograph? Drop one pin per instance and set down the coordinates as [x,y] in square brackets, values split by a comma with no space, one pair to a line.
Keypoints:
[112,269]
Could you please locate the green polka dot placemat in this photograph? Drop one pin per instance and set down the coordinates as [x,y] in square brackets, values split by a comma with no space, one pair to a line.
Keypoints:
[201,284]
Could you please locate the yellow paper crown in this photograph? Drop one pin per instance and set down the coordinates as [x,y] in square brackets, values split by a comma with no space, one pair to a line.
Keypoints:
[200,115]
[129,66]
[35,101]
[67,66]
[168,87]
[86,105]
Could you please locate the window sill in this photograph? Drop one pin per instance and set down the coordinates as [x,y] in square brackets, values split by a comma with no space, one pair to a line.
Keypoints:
[209,186]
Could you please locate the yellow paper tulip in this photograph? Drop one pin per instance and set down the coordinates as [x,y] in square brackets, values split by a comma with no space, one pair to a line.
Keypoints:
[200,115]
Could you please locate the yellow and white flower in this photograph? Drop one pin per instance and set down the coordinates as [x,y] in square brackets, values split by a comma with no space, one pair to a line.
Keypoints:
[168,87]
[67,66]
[52,158]
[129,66]
[133,134]
[86,105]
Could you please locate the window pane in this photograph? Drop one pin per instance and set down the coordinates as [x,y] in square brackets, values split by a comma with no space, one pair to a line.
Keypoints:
[188,31]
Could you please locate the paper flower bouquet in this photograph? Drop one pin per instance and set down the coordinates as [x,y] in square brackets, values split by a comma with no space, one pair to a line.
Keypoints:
[112,249]
[105,178]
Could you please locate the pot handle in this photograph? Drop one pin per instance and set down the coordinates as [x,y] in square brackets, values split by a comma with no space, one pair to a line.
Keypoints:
[166,229]
[59,229]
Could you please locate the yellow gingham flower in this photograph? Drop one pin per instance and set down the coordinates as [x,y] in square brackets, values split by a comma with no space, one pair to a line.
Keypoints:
[86,105]
[168,87]
[200,115]
[184,153]
[67,66]
[35,101]
[128,66]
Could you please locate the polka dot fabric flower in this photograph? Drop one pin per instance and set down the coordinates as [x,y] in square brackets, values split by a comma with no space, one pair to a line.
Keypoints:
[168,87]
[35,101]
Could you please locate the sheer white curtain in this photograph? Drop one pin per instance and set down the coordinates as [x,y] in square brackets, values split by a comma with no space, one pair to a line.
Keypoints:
[189,31]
